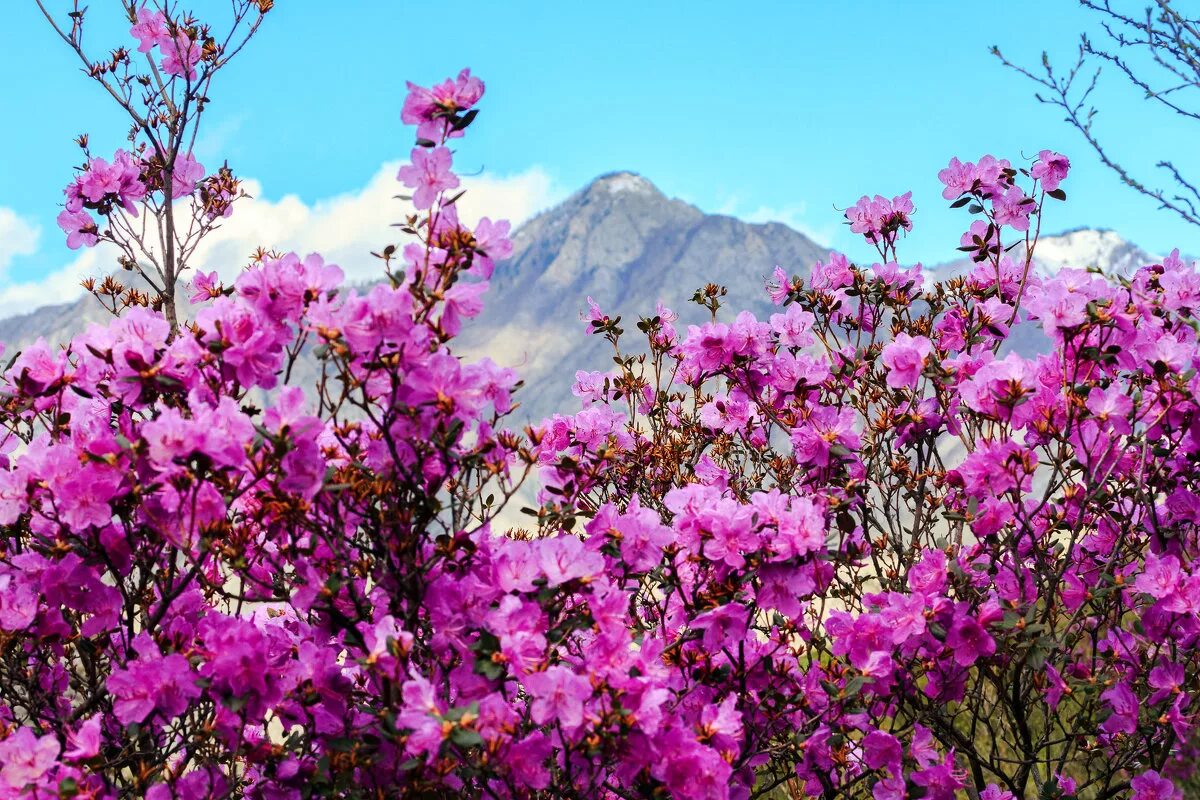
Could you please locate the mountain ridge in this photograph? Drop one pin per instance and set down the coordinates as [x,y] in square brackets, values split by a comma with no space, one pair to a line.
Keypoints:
[622,242]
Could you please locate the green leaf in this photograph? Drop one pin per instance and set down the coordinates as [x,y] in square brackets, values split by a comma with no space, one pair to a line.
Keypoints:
[464,737]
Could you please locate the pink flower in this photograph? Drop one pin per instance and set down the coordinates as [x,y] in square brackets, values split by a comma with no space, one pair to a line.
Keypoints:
[1051,169]
[1168,680]
[904,358]
[558,695]
[779,285]
[994,792]
[1123,704]
[526,761]
[726,413]
[150,29]
[205,286]
[880,219]
[881,749]
[429,173]
[1160,577]
[643,536]
[150,684]
[427,108]
[994,174]
[825,428]
[79,227]
[180,55]
[26,758]
[491,245]
[1011,208]
[905,615]
[186,173]
[959,178]
[968,640]
[102,183]
[793,326]
[1152,786]
[566,558]
[85,741]
[833,275]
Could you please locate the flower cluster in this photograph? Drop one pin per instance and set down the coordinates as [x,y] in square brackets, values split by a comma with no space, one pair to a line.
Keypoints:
[1001,601]
[851,550]
[179,45]
[158,181]
[880,220]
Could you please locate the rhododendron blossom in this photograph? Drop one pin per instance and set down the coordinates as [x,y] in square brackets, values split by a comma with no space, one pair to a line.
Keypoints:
[862,548]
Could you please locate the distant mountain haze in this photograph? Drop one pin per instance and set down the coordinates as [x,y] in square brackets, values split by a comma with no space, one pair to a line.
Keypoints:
[628,246]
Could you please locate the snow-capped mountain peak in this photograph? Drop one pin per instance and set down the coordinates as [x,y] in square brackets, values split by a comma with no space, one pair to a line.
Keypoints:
[1091,247]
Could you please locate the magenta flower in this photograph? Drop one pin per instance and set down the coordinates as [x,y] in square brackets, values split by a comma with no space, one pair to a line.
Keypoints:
[968,640]
[426,108]
[726,413]
[492,239]
[994,792]
[180,55]
[79,227]
[794,326]
[86,740]
[994,175]
[153,684]
[1152,786]
[905,615]
[101,183]
[1160,577]
[1011,208]
[881,749]
[429,173]
[831,275]
[958,178]
[905,358]
[26,758]
[567,558]
[205,286]
[1051,169]
[186,173]
[18,602]
[1123,704]
[150,29]
[558,696]
[526,761]
[880,219]
[778,286]
[1168,680]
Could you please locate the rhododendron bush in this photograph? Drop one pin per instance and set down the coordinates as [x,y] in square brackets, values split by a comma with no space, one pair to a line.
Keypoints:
[862,547]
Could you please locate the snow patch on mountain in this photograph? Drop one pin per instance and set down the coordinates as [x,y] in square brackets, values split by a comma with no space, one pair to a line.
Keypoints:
[1089,247]
[618,182]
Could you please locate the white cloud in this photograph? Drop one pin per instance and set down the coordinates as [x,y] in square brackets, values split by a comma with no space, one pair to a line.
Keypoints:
[18,237]
[797,216]
[344,229]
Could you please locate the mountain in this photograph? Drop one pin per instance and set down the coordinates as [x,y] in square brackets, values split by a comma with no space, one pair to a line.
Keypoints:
[1078,247]
[624,243]
[1089,247]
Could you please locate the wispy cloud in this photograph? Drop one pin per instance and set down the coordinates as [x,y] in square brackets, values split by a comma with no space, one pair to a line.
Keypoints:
[797,216]
[18,237]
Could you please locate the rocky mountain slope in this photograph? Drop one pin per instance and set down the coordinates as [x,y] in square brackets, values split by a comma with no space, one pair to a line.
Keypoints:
[623,243]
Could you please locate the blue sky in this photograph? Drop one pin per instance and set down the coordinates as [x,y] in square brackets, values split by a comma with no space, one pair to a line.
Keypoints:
[762,110]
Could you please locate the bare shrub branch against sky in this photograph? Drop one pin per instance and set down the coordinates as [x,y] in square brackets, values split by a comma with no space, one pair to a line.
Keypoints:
[1155,50]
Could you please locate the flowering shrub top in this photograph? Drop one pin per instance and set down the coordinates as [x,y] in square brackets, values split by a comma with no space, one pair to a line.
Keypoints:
[850,548]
